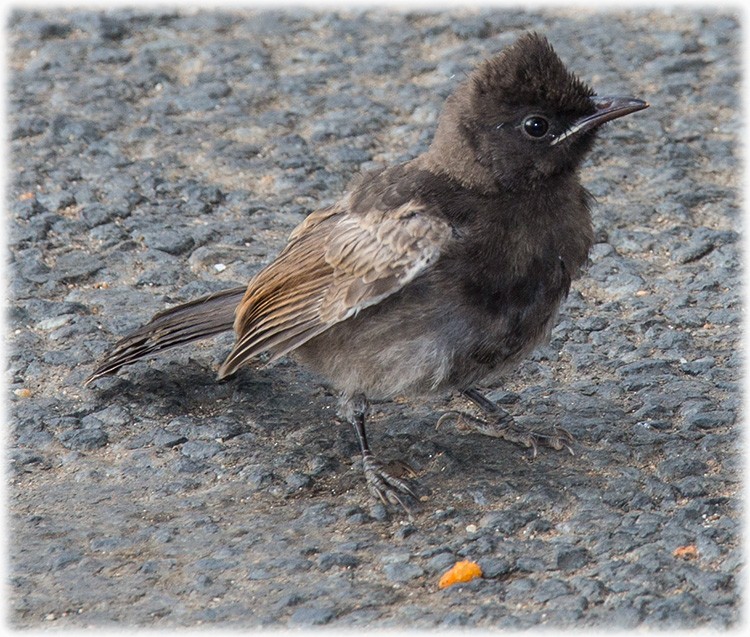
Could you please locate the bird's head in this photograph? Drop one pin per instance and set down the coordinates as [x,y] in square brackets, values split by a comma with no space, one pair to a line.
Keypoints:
[522,117]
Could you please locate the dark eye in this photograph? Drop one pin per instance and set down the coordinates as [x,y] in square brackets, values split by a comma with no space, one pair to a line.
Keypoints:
[535,126]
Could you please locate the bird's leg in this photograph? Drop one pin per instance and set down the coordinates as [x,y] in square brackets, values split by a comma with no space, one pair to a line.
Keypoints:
[380,482]
[500,424]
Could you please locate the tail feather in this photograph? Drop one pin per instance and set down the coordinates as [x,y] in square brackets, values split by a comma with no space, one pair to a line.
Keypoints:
[185,323]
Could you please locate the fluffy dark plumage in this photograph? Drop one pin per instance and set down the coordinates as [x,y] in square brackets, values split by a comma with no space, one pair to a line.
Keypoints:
[431,276]
[530,74]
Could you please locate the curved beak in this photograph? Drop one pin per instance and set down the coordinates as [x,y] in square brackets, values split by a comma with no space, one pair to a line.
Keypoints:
[607,109]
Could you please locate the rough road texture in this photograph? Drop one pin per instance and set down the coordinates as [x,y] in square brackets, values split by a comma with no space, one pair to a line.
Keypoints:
[155,156]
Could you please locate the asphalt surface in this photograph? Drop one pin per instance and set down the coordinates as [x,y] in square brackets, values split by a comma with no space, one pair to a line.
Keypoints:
[157,155]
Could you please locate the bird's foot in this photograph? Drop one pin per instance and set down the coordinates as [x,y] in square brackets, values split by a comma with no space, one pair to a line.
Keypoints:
[502,425]
[384,485]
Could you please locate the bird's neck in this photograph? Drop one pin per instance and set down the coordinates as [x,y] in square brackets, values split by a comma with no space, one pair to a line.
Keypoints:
[453,157]
[451,153]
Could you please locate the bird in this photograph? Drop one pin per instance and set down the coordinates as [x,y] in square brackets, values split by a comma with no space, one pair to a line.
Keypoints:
[433,276]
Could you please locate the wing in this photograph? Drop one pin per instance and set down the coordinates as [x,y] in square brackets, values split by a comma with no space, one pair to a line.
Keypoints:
[335,264]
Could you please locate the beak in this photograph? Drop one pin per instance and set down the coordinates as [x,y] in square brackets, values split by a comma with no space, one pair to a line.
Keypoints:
[607,109]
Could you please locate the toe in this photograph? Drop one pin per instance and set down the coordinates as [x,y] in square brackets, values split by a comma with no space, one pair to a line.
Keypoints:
[385,486]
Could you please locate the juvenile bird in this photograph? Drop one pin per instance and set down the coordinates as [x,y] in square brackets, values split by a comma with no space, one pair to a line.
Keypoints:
[431,276]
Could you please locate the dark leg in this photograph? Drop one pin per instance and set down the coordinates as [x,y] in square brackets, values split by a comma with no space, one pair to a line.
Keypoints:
[484,403]
[381,484]
[500,424]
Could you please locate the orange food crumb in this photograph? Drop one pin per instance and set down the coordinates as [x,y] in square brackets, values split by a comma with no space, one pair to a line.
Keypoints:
[689,552]
[460,572]
[25,196]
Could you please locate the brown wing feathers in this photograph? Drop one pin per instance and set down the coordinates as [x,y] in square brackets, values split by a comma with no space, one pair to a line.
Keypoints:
[335,264]
[281,308]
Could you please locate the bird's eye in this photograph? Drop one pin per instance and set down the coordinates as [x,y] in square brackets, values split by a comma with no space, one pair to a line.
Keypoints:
[535,126]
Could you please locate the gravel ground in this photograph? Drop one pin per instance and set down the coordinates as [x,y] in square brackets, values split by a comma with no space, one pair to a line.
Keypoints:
[157,155]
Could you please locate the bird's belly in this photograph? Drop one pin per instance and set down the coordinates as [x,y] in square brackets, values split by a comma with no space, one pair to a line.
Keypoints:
[410,345]
[380,359]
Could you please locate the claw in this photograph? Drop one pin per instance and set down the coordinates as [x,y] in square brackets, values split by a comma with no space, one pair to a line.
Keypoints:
[447,416]
[562,439]
[385,486]
[534,448]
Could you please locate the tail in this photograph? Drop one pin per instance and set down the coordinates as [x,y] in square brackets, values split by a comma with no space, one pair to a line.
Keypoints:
[185,323]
